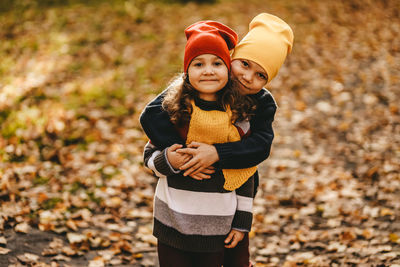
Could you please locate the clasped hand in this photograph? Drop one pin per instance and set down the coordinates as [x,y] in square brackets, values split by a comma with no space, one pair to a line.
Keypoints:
[195,160]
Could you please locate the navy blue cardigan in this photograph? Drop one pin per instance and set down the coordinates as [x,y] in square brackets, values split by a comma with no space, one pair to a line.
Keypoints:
[241,154]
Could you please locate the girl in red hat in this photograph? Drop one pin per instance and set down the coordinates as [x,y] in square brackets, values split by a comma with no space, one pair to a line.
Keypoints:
[193,217]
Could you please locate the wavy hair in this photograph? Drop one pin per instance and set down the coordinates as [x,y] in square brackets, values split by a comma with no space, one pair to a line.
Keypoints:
[180,93]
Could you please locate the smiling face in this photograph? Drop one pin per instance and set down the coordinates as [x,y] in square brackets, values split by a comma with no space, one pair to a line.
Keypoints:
[251,76]
[208,74]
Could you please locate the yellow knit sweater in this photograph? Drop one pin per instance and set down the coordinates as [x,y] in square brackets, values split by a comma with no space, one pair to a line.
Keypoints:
[212,127]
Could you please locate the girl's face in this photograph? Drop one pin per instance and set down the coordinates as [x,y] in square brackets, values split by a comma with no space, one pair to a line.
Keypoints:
[251,76]
[208,74]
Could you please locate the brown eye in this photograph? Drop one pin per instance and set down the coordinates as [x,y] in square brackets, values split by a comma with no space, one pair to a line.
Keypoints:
[262,76]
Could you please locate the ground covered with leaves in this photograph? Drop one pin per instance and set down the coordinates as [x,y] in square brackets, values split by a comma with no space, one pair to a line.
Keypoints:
[73,81]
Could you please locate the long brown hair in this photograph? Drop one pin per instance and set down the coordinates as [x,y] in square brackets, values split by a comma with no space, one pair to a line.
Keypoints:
[177,101]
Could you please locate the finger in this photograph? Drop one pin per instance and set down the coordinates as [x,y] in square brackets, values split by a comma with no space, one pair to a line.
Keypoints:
[192,170]
[207,171]
[197,177]
[184,159]
[187,157]
[190,151]
[229,238]
[189,164]
[175,147]
[234,242]
[201,175]
[199,169]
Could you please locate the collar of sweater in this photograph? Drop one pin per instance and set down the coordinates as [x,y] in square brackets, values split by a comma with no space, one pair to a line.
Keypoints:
[207,105]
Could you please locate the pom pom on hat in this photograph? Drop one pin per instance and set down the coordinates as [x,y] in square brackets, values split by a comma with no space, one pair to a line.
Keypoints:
[209,37]
[267,43]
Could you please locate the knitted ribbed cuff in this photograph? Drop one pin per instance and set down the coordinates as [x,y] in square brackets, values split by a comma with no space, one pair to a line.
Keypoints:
[169,164]
[162,165]
[242,220]
[224,153]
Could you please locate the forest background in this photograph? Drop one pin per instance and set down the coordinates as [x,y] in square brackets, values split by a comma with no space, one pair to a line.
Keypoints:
[75,75]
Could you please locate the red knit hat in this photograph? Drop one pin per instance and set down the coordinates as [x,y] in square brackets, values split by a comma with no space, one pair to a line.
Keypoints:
[209,37]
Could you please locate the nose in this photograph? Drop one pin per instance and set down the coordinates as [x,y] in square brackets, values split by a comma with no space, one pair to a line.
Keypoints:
[208,70]
[247,77]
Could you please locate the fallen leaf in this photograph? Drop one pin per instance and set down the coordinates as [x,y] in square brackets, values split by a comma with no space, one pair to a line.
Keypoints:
[28,258]
[386,212]
[394,238]
[3,241]
[97,262]
[22,228]
[75,238]
[4,251]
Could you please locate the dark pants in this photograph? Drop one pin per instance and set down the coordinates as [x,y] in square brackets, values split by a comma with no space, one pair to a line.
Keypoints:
[230,257]
[238,256]
[172,257]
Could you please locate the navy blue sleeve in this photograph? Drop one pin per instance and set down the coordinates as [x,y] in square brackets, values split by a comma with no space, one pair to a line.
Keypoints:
[157,125]
[256,148]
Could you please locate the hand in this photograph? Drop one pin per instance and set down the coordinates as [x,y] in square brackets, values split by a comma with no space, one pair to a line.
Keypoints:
[203,156]
[176,159]
[203,174]
[234,237]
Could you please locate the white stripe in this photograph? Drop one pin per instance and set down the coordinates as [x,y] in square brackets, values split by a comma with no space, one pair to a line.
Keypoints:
[245,203]
[196,203]
[148,144]
[150,164]
[244,125]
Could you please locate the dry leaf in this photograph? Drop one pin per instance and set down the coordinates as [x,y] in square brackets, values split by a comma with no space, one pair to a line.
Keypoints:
[3,241]
[75,238]
[28,258]
[97,262]
[4,251]
[22,228]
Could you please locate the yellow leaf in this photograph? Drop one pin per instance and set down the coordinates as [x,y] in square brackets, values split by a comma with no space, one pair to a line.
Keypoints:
[138,256]
[252,234]
[344,126]
[367,234]
[297,153]
[300,105]
[393,237]
[386,211]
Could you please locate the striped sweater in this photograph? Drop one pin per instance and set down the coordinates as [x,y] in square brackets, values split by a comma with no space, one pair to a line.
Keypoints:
[195,215]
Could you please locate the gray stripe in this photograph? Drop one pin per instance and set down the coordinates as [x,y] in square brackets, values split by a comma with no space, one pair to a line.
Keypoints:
[192,224]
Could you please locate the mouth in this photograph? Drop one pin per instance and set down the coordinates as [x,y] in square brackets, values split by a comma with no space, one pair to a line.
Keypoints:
[243,86]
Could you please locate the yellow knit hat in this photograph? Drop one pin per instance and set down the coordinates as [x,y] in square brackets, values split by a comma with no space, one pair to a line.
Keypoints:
[267,43]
